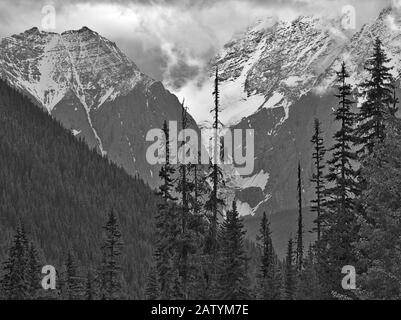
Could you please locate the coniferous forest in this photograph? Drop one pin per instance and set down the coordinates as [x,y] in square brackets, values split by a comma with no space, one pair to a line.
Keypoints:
[111,237]
[62,204]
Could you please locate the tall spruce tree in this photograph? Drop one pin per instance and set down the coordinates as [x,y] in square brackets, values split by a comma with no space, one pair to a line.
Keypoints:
[378,251]
[183,188]
[268,286]
[339,219]
[167,172]
[214,202]
[319,202]
[199,186]
[378,95]
[72,286]
[168,226]
[14,283]
[198,230]
[111,276]
[308,281]
[195,198]
[300,231]
[232,277]
[289,276]
[183,185]
[33,273]
[342,173]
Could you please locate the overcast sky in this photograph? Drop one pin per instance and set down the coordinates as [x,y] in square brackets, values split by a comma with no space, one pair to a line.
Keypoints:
[170,40]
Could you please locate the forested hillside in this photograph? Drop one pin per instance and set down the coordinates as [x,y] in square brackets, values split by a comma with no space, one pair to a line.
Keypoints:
[63,193]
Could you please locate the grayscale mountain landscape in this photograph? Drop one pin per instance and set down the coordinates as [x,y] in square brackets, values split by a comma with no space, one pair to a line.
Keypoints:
[320,92]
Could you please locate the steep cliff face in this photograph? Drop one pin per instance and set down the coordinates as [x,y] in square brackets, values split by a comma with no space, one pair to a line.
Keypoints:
[93,89]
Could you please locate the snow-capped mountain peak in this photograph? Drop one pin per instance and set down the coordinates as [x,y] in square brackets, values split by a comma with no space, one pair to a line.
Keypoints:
[272,64]
[47,65]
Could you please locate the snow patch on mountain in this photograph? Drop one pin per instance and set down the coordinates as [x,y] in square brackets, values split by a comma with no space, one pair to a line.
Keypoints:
[106,97]
[258,180]
[243,208]
[75,132]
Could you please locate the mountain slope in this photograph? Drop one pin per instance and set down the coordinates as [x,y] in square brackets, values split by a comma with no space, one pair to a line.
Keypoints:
[274,63]
[63,192]
[93,89]
[279,76]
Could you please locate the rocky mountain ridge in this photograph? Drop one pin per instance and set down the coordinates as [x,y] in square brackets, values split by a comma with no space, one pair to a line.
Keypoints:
[93,89]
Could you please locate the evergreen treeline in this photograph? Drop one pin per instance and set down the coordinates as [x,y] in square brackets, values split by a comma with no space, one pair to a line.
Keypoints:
[63,193]
[357,204]
[201,252]
[22,271]
[357,195]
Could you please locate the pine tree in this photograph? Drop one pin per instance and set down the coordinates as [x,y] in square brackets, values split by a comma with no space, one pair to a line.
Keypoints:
[341,170]
[185,241]
[318,177]
[339,218]
[289,285]
[300,232]
[378,253]
[195,198]
[33,273]
[201,284]
[167,171]
[14,283]
[308,281]
[268,282]
[71,289]
[232,278]
[199,186]
[168,227]
[214,203]
[111,268]
[378,94]
[198,227]
[183,184]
